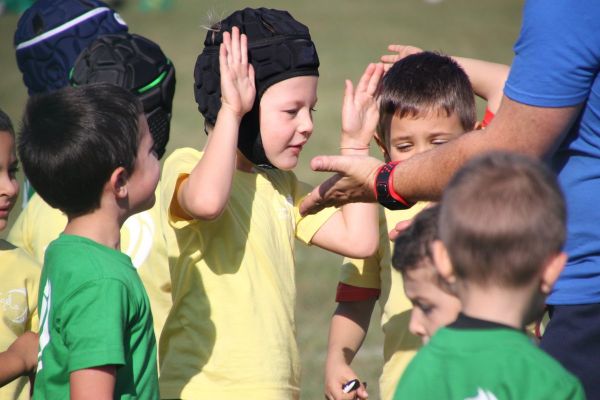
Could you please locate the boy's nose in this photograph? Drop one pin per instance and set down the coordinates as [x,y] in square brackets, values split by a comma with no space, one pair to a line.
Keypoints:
[306,125]
[415,326]
[8,187]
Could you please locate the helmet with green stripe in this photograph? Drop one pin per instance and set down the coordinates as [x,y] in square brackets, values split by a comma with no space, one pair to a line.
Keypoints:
[139,65]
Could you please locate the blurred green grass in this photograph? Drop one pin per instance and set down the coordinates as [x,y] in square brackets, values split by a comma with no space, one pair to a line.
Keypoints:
[348,34]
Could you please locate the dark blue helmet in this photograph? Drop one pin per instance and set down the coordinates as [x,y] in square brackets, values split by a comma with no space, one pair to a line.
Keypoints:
[51,34]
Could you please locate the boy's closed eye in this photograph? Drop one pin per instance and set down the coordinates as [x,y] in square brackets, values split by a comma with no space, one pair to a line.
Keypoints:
[425,307]
[404,146]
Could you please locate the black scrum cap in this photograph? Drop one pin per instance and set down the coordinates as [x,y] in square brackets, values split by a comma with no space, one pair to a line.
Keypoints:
[279,48]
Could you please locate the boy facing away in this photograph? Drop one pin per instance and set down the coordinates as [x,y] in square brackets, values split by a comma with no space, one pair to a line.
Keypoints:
[140,66]
[425,100]
[231,331]
[88,152]
[502,228]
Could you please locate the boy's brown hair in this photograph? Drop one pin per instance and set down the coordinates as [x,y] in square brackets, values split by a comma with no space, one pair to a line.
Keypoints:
[412,247]
[501,217]
[423,83]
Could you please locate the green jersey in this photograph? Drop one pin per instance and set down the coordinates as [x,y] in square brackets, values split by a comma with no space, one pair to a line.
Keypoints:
[485,363]
[94,311]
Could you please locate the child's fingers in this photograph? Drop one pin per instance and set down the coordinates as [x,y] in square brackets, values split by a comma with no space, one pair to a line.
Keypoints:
[364,79]
[348,101]
[227,43]
[223,58]
[244,49]
[375,78]
[251,75]
[235,44]
[389,58]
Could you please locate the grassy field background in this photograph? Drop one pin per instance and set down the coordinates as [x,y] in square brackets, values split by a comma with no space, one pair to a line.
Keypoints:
[348,34]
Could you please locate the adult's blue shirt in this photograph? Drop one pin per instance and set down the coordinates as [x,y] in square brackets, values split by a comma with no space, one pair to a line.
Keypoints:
[556,64]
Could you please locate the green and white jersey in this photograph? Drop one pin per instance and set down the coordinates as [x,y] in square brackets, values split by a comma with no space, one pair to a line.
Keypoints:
[94,311]
[485,363]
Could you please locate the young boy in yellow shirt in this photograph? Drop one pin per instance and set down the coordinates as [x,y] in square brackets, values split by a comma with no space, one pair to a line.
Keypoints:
[425,100]
[234,207]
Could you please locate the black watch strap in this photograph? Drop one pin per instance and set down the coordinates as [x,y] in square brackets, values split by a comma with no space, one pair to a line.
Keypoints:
[386,196]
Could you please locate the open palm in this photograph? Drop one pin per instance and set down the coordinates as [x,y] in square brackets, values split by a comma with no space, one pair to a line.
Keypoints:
[237,76]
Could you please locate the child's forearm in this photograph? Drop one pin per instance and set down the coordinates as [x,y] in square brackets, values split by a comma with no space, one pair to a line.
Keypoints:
[348,329]
[487,79]
[205,192]
[19,359]
[11,367]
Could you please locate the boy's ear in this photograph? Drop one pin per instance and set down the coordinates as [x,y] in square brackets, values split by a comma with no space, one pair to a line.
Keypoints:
[382,147]
[551,271]
[118,182]
[441,259]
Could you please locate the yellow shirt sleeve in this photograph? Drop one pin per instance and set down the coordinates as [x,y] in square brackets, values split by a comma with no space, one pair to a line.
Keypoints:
[27,232]
[307,226]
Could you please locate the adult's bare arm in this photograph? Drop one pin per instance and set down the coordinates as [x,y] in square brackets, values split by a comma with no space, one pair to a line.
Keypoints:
[533,131]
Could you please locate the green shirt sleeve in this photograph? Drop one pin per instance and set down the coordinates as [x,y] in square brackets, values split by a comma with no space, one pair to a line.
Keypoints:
[94,320]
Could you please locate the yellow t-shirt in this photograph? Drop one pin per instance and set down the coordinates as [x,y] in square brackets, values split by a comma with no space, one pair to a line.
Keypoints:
[141,239]
[231,331]
[19,282]
[376,272]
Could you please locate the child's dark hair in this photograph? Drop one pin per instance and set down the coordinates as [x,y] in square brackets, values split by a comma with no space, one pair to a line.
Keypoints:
[5,123]
[501,217]
[422,83]
[73,139]
[413,246]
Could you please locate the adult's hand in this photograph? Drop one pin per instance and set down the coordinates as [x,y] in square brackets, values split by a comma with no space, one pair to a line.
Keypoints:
[354,182]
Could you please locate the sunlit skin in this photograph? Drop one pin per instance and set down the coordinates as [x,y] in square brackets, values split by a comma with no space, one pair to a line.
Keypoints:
[414,135]
[286,120]
[146,171]
[433,307]
[9,186]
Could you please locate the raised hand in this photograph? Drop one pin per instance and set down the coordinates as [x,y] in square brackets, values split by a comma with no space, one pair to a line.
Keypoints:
[237,76]
[360,112]
[400,51]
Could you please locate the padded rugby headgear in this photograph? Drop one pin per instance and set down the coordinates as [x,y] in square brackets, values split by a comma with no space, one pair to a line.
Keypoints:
[51,34]
[139,65]
[279,48]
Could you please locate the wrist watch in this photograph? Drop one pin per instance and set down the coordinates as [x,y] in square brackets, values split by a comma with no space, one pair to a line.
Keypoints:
[384,189]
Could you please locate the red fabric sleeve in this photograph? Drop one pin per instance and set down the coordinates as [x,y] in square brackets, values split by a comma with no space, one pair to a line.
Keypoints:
[487,118]
[354,293]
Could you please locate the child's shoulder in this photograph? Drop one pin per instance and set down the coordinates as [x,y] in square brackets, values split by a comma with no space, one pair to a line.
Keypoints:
[74,255]
[12,256]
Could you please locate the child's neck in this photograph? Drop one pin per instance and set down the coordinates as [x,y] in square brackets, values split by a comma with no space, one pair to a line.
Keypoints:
[99,225]
[495,304]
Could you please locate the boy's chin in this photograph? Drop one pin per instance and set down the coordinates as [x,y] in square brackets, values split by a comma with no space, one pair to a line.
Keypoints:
[287,164]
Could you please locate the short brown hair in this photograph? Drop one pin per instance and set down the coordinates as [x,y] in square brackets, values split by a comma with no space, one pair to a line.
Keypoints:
[501,217]
[412,247]
[423,83]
